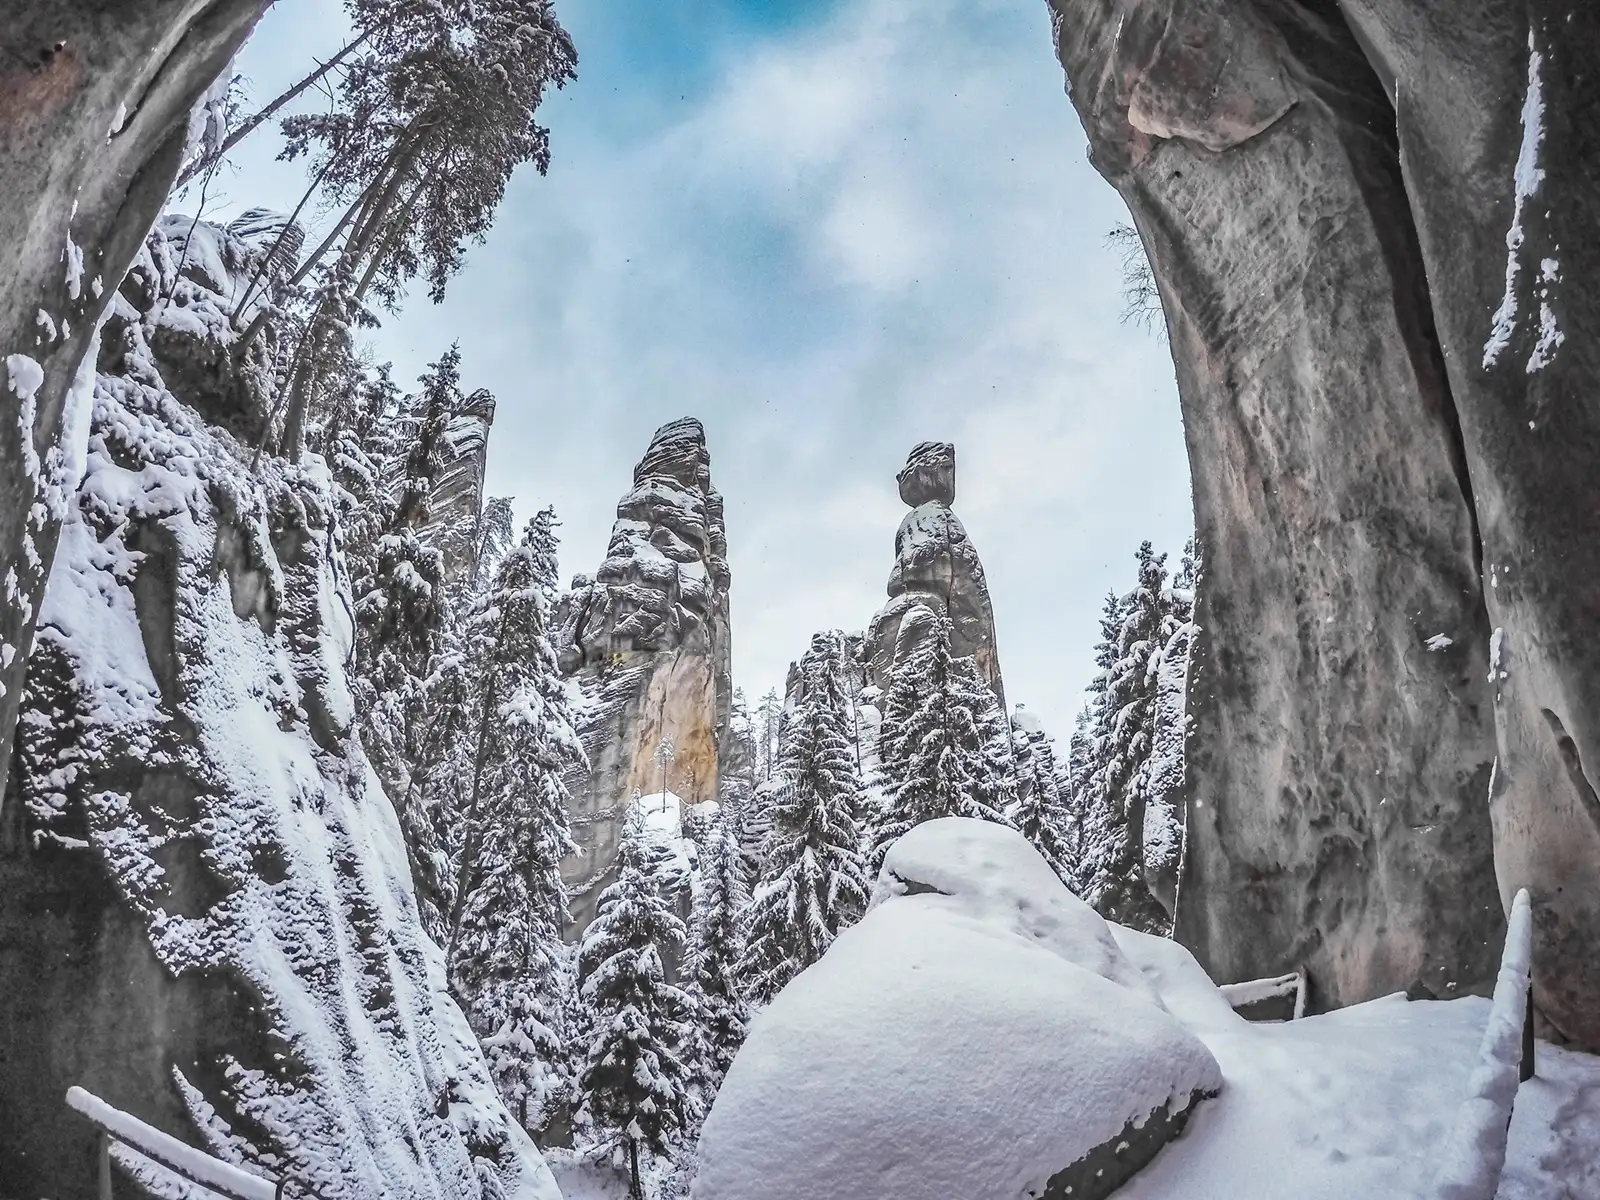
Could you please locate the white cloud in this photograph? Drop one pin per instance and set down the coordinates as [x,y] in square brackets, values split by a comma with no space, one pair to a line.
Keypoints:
[870,232]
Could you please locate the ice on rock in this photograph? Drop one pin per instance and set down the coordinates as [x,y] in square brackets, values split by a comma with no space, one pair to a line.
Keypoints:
[978,1034]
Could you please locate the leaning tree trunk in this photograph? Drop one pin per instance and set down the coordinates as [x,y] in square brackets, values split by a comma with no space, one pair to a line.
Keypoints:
[94,100]
[1393,433]
[93,116]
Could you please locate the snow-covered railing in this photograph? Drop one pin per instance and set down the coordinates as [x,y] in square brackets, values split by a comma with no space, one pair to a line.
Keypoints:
[1254,991]
[1474,1153]
[196,1166]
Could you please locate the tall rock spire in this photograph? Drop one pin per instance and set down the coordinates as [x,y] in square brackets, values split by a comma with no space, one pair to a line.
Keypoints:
[936,565]
[648,643]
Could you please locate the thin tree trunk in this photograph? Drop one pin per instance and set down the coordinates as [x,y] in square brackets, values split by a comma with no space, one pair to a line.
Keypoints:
[469,847]
[635,1190]
[261,267]
[238,135]
[397,230]
[377,213]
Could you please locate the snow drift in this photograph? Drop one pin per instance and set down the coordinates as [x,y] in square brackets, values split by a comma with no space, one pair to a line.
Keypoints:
[979,1034]
[207,912]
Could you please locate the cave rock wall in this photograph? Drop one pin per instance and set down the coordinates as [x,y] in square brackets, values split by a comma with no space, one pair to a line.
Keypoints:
[1366,224]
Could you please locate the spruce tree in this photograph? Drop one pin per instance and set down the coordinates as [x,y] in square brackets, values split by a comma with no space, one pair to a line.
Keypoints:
[1040,811]
[1135,629]
[510,906]
[405,623]
[937,744]
[716,946]
[768,725]
[813,883]
[635,1081]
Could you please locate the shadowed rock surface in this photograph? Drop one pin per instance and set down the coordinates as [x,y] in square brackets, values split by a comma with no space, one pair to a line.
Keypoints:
[649,646]
[1389,405]
[94,104]
[935,564]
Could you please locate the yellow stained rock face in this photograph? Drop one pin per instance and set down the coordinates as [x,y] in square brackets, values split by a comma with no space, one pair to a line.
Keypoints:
[647,638]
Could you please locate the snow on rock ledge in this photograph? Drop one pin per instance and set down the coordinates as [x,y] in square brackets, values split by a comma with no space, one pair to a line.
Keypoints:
[978,1034]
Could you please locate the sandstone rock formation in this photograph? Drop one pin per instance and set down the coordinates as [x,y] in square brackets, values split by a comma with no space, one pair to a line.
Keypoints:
[94,100]
[935,564]
[979,1033]
[457,500]
[1369,226]
[649,645]
[206,911]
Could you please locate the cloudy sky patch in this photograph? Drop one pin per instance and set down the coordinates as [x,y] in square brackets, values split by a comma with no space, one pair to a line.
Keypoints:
[829,231]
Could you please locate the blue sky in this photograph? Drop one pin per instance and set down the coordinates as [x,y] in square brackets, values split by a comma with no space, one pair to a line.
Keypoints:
[830,231]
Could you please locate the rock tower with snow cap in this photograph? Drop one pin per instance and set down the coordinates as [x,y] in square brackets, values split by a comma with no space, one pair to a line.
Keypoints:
[935,566]
[648,644]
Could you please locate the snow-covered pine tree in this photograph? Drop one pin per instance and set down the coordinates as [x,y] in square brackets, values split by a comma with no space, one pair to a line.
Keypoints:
[1039,811]
[404,621]
[1073,782]
[717,942]
[505,947]
[635,1081]
[1165,808]
[937,743]
[768,725]
[813,884]
[1124,728]
[429,120]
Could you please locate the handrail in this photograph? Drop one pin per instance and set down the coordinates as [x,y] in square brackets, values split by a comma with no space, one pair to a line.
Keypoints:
[1474,1152]
[196,1166]
[1254,991]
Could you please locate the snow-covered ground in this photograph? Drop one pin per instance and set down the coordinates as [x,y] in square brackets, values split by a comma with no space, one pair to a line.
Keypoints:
[1356,1103]
[978,1028]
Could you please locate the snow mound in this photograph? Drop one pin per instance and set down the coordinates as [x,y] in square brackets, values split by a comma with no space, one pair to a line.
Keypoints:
[977,1034]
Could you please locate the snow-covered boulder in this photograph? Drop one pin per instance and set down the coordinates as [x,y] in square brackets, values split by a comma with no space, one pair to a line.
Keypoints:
[979,1034]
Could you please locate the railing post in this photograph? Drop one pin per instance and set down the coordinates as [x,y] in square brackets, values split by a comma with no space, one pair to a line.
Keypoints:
[1525,1071]
[105,1165]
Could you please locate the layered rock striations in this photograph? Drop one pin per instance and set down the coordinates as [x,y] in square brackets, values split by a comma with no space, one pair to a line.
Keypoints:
[935,564]
[1366,224]
[206,911]
[648,644]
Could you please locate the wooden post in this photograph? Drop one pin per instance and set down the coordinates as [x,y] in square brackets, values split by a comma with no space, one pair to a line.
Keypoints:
[1525,1071]
[105,1165]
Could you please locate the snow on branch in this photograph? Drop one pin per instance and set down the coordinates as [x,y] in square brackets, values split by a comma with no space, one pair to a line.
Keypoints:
[194,1165]
[1475,1151]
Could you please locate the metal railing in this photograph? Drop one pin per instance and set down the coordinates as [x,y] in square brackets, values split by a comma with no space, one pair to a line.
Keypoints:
[116,1126]
[1474,1152]
[1255,991]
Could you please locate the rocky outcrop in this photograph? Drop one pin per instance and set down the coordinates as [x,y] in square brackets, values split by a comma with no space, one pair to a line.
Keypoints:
[1367,223]
[206,911]
[94,100]
[648,644]
[935,564]
[457,499]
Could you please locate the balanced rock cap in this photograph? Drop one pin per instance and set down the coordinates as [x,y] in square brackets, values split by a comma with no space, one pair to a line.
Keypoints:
[929,474]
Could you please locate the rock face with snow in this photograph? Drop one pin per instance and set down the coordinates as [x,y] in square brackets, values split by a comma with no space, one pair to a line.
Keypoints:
[935,564]
[94,100]
[1369,230]
[648,643]
[979,1033]
[206,914]
[457,498]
